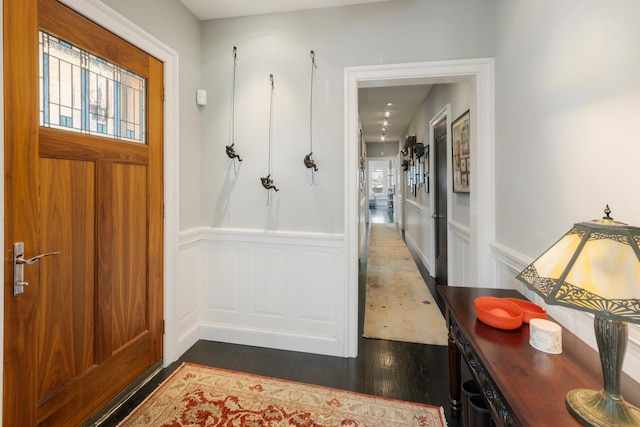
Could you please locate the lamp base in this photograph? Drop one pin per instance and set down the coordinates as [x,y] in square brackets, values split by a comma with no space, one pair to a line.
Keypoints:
[599,409]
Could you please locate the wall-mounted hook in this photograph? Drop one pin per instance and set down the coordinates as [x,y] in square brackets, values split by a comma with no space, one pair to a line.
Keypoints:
[267,183]
[231,152]
[309,162]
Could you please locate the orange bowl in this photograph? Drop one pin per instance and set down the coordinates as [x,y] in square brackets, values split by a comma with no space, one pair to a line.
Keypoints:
[498,312]
[531,310]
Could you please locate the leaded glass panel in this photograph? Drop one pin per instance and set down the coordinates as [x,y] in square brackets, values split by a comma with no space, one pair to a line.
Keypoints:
[80,92]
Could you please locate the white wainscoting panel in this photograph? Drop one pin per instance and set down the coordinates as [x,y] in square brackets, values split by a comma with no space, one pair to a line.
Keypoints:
[508,263]
[222,288]
[188,291]
[459,255]
[281,290]
[419,231]
[267,291]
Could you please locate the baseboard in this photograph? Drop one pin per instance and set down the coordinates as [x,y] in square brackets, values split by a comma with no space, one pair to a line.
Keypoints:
[272,339]
[419,253]
[426,275]
[278,289]
[188,339]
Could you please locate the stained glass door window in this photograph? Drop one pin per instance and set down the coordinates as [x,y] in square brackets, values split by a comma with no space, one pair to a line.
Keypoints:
[80,92]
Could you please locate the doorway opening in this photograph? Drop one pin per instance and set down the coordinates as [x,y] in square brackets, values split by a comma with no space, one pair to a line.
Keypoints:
[479,74]
[381,191]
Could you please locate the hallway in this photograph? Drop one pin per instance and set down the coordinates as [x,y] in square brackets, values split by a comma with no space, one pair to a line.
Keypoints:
[392,369]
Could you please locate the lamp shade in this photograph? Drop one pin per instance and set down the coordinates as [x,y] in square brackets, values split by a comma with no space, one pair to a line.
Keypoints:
[595,267]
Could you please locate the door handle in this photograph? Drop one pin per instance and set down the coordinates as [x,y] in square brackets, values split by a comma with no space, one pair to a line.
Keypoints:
[19,261]
[436,216]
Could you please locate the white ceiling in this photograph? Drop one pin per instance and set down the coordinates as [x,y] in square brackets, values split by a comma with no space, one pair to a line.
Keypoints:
[213,9]
[372,101]
[372,104]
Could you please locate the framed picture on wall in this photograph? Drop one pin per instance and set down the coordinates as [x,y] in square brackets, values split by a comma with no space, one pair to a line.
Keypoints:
[361,178]
[460,135]
[362,148]
[411,173]
[426,159]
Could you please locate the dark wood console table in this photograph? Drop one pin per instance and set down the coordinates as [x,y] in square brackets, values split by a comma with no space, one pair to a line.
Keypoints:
[523,386]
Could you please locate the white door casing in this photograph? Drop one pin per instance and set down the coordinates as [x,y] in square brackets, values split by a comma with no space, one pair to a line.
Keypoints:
[480,74]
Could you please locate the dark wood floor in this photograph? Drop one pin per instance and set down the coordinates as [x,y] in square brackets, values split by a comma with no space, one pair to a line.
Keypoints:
[397,370]
[380,214]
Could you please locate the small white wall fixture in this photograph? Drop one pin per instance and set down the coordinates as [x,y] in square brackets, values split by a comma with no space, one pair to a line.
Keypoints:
[480,74]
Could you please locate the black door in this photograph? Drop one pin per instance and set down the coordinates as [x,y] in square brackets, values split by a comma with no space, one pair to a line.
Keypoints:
[440,137]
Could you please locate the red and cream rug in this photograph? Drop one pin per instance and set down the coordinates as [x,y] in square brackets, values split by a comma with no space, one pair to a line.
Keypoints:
[201,396]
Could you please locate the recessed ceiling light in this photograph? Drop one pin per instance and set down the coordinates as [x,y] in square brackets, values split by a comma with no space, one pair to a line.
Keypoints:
[387,114]
[389,104]
[386,122]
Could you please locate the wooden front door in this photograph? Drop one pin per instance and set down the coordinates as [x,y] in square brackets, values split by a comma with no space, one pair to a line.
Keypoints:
[90,319]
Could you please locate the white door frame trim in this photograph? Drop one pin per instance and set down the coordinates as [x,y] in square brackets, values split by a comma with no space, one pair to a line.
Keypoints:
[480,74]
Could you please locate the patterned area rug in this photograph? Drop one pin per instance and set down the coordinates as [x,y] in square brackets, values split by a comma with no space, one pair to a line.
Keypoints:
[201,396]
[398,304]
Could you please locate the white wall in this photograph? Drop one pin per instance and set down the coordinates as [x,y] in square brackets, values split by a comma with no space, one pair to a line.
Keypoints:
[382,149]
[458,96]
[567,98]
[420,225]
[279,44]
[215,200]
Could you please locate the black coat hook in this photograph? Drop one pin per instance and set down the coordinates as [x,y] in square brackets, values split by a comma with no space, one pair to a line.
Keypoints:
[267,183]
[309,162]
[231,152]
